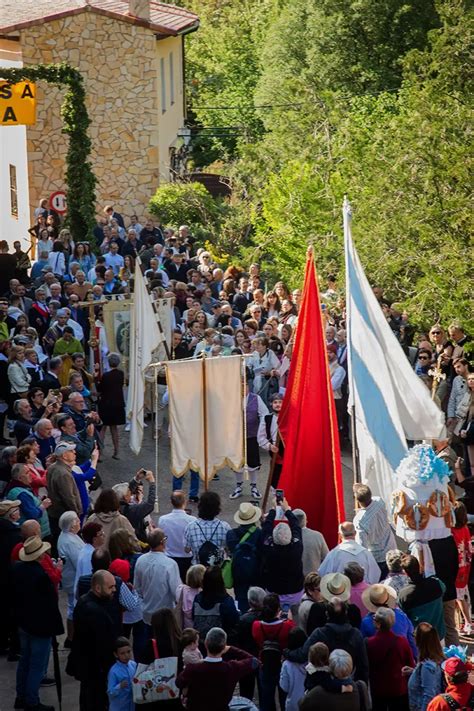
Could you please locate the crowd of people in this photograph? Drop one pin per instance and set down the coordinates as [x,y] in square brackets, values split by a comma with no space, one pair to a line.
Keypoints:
[155,608]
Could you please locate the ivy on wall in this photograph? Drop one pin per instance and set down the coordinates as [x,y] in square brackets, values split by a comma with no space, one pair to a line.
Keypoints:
[80,178]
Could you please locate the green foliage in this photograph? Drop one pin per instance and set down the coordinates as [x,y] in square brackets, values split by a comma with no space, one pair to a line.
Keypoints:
[80,178]
[184,203]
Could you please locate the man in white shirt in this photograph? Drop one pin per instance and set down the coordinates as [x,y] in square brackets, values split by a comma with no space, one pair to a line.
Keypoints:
[156,576]
[174,525]
[349,551]
[113,260]
[315,548]
[372,527]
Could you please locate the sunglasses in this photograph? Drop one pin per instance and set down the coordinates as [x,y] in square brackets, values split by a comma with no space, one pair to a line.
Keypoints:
[423,358]
[436,333]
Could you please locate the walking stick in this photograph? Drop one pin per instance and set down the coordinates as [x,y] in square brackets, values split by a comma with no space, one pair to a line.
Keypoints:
[57,672]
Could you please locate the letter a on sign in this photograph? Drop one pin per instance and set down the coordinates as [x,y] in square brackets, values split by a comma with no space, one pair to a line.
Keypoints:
[17,103]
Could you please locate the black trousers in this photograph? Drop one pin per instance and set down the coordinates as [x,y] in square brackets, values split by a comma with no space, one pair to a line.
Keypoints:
[93,695]
[183,564]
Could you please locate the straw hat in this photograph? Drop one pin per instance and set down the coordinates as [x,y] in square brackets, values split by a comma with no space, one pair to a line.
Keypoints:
[247,514]
[33,548]
[379,596]
[6,506]
[336,585]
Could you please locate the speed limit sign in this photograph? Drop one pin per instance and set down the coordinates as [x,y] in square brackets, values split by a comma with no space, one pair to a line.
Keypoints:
[58,202]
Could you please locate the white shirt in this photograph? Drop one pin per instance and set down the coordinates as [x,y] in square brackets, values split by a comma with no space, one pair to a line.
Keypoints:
[351,552]
[174,525]
[84,563]
[156,580]
[373,529]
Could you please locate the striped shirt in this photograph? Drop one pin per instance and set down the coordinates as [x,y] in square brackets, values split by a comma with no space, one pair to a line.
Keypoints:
[373,529]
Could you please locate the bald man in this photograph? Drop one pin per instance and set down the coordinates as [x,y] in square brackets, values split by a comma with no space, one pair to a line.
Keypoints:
[349,551]
[93,643]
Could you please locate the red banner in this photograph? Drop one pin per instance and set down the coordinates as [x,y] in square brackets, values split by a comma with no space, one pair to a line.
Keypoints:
[312,472]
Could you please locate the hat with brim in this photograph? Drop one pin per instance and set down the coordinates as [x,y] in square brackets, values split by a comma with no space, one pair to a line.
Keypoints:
[63,447]
[335,585]
[247,514]
[379,596]
[7,506]
[33,548]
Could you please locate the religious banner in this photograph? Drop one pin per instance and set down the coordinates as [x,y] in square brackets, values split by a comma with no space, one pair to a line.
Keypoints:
[206,415]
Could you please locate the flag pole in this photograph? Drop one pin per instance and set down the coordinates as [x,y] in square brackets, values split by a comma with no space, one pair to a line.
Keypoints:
[244,415]
[156,509]
[355,450]
[204,408]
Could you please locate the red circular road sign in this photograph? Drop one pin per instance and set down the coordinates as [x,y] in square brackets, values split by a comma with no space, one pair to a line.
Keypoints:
[58,202]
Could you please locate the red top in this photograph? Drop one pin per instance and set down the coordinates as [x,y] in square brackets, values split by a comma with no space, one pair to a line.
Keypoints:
[388,653]
[462,538]
[460,693]
[38,478]
[279,631]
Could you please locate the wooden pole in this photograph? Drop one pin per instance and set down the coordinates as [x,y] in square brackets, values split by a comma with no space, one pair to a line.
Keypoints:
[204,408]
[270,473]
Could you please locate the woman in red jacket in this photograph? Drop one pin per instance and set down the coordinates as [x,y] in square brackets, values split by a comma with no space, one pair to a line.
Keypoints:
[388,653]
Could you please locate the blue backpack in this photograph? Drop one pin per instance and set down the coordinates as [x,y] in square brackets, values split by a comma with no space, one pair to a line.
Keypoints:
[245,566]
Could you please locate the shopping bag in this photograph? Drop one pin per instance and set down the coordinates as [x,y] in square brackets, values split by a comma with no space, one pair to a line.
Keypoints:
[155,681]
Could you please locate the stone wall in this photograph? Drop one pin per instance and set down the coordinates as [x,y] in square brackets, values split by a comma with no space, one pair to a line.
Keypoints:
[119,64]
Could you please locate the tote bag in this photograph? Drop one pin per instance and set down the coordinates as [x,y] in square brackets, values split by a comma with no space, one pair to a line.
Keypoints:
[156,681]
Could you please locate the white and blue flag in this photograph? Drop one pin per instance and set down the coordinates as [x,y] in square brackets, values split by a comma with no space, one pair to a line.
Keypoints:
[391,402]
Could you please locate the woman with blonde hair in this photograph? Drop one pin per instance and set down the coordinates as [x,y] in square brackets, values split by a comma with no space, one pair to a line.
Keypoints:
[18,375]
[186,593]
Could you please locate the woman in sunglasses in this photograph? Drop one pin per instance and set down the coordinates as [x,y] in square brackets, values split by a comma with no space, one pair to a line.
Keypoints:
[443,353]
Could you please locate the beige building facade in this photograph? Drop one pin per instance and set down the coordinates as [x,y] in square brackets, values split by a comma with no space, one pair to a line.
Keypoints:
[133,72]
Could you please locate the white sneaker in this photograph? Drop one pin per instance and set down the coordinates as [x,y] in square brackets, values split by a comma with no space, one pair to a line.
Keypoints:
[255,492]
[237,493]
[127,427]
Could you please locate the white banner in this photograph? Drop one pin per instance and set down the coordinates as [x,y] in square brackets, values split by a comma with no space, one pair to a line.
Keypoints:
[205,403]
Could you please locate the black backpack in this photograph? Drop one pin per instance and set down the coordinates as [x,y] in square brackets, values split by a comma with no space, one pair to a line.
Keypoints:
[245,564]
[209,553]
[271,651]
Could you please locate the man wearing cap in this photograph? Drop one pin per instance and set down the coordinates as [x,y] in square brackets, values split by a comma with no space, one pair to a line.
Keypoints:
[459,692]
[36,609]
[55,331]
[62,487]
[382,596]
[243,544]
[83,440]
[350,551]
[174,525]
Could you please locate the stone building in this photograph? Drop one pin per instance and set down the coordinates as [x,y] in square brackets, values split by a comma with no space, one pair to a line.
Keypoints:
[131,54]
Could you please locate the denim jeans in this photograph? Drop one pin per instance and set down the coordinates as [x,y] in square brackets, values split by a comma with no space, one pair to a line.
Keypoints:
[32,666]
[193,486]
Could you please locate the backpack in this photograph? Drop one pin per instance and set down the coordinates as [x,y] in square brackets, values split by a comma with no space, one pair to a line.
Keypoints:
[245,567]
[270,655]
[209,553]
[453,704]
[204,620]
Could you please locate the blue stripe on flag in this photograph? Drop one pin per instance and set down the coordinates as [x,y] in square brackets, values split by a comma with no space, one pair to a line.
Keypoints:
[356,292]
[377,416]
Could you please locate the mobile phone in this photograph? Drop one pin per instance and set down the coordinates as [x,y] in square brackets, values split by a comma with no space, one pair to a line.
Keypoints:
[142,472]
[280,495]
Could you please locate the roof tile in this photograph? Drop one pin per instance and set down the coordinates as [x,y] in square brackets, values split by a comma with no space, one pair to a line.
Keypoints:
[164,18]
